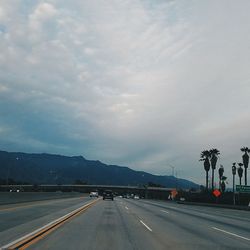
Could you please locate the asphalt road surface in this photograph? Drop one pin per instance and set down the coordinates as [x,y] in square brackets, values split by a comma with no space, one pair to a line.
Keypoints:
[130,224]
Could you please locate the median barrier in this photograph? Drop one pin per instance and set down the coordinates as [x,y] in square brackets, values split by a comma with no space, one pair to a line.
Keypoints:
[19,197]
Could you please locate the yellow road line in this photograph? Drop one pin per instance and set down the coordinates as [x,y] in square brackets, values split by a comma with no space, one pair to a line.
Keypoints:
[29,239]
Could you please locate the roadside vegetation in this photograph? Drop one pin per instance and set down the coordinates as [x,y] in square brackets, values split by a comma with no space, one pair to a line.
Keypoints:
[210,158]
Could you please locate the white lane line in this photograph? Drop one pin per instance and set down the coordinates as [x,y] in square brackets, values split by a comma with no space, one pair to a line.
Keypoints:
[164,211]
[236,235]
[126,208]
[146,226]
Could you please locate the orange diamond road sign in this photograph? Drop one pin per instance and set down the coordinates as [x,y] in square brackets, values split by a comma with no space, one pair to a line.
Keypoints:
[174,193]
[216,192]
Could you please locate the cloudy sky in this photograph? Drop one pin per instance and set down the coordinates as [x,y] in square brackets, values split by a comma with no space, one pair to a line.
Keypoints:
[140,83]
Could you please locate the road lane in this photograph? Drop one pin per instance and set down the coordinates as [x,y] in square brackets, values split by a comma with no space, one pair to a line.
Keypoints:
[220,216]
[223,212]
[107,225]
[171,231]
[34,236]
[18,219]
[142,224]
[198,223]
[130,224]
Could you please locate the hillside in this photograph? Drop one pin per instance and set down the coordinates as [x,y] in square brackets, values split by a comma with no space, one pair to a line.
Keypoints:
[58,169]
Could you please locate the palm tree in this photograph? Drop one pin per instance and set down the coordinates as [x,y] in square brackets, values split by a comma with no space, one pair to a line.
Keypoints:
[205,155]
[240,171]
[245,159]
[214,157]
[221,172]
[223,184]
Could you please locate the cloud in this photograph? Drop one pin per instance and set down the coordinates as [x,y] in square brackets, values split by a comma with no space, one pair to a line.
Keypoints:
[138,83]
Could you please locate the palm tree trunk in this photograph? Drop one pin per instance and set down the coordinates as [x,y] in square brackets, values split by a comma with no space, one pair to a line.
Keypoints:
[213,179]
[245,176]
[240,181]
[206,180]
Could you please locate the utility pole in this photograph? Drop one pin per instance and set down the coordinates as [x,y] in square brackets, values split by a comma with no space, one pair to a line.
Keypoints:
[176,180]
[234,173]
[174,174]
[173,169]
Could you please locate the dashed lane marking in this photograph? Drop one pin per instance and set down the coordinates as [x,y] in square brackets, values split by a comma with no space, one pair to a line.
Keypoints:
[146,226]
[233,234]
[164,211]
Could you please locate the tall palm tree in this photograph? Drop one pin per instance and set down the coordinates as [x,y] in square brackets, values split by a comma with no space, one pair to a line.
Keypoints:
[205,155]
[221,172]
[214,152]
[240,171]
[223,183]
[245,159]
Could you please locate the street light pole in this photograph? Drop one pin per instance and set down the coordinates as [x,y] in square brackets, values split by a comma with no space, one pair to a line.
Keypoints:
[234,173]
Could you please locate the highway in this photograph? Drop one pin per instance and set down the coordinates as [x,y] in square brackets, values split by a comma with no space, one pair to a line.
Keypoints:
[126,224]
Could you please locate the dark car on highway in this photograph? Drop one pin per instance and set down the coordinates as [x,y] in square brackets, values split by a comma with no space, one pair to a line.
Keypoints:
[108,194]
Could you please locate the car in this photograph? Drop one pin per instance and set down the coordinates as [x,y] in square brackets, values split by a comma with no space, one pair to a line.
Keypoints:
[94,194]
[136,197]
[15,190]
[108,194]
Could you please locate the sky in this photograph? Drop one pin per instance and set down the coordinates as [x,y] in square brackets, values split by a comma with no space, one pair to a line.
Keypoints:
[140,83]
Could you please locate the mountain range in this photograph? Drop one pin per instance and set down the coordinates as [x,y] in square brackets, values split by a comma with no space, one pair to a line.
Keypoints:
[58,169]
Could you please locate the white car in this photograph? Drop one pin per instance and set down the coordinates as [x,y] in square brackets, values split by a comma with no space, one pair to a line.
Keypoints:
[93,194]
[136,197]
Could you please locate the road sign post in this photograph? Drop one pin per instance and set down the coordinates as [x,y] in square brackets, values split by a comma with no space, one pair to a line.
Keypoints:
[242,189]
[216,193]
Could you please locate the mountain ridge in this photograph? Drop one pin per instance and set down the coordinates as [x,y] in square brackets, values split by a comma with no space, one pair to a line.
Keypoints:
[44,168]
